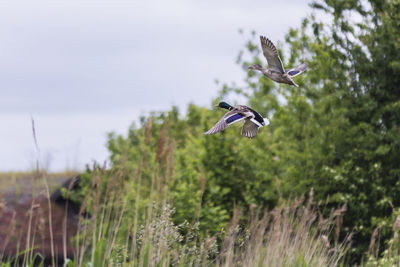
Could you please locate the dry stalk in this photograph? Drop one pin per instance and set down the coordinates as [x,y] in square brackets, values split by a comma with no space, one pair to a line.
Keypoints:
[339,213]
[28,236]
[50,218]
[374,236]
[10,230]
[171,149]
[229,240]
[135,223]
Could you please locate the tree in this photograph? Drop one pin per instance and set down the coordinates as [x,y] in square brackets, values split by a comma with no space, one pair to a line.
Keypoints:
[339,132]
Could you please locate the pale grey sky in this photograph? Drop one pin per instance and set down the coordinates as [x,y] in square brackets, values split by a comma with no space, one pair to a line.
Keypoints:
[84,68]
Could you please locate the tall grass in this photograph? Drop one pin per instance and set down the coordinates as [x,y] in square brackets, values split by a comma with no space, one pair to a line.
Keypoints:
[131,224]
[291,235]
[391,255]
[295,234]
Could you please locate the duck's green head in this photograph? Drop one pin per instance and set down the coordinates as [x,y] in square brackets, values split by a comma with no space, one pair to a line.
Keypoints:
[224,105]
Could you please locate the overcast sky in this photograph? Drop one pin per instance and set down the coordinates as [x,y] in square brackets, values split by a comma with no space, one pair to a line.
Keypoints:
[84,68]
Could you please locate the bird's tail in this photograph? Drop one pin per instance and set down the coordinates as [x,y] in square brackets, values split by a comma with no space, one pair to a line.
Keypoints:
[292,82]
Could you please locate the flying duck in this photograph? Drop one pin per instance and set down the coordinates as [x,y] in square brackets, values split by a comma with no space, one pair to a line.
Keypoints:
[253,120]
[275,70]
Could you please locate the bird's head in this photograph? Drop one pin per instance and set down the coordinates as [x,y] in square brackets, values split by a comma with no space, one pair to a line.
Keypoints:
[256,67]
[224,105]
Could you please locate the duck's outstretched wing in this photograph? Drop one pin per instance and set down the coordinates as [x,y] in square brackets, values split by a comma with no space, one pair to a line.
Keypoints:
[250,129]
[271,54]
[296,71]
[228,119]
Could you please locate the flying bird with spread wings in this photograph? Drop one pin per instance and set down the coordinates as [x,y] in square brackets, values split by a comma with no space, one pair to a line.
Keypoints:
[253,120]
[276,71]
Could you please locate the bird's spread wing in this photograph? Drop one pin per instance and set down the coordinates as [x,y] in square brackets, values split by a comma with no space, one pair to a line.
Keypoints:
[296,71]
[229,118]
[250,129]
[272,55]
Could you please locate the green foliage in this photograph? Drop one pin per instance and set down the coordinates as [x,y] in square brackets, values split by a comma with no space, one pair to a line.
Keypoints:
[363,168]
[99,258]
[339,132]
